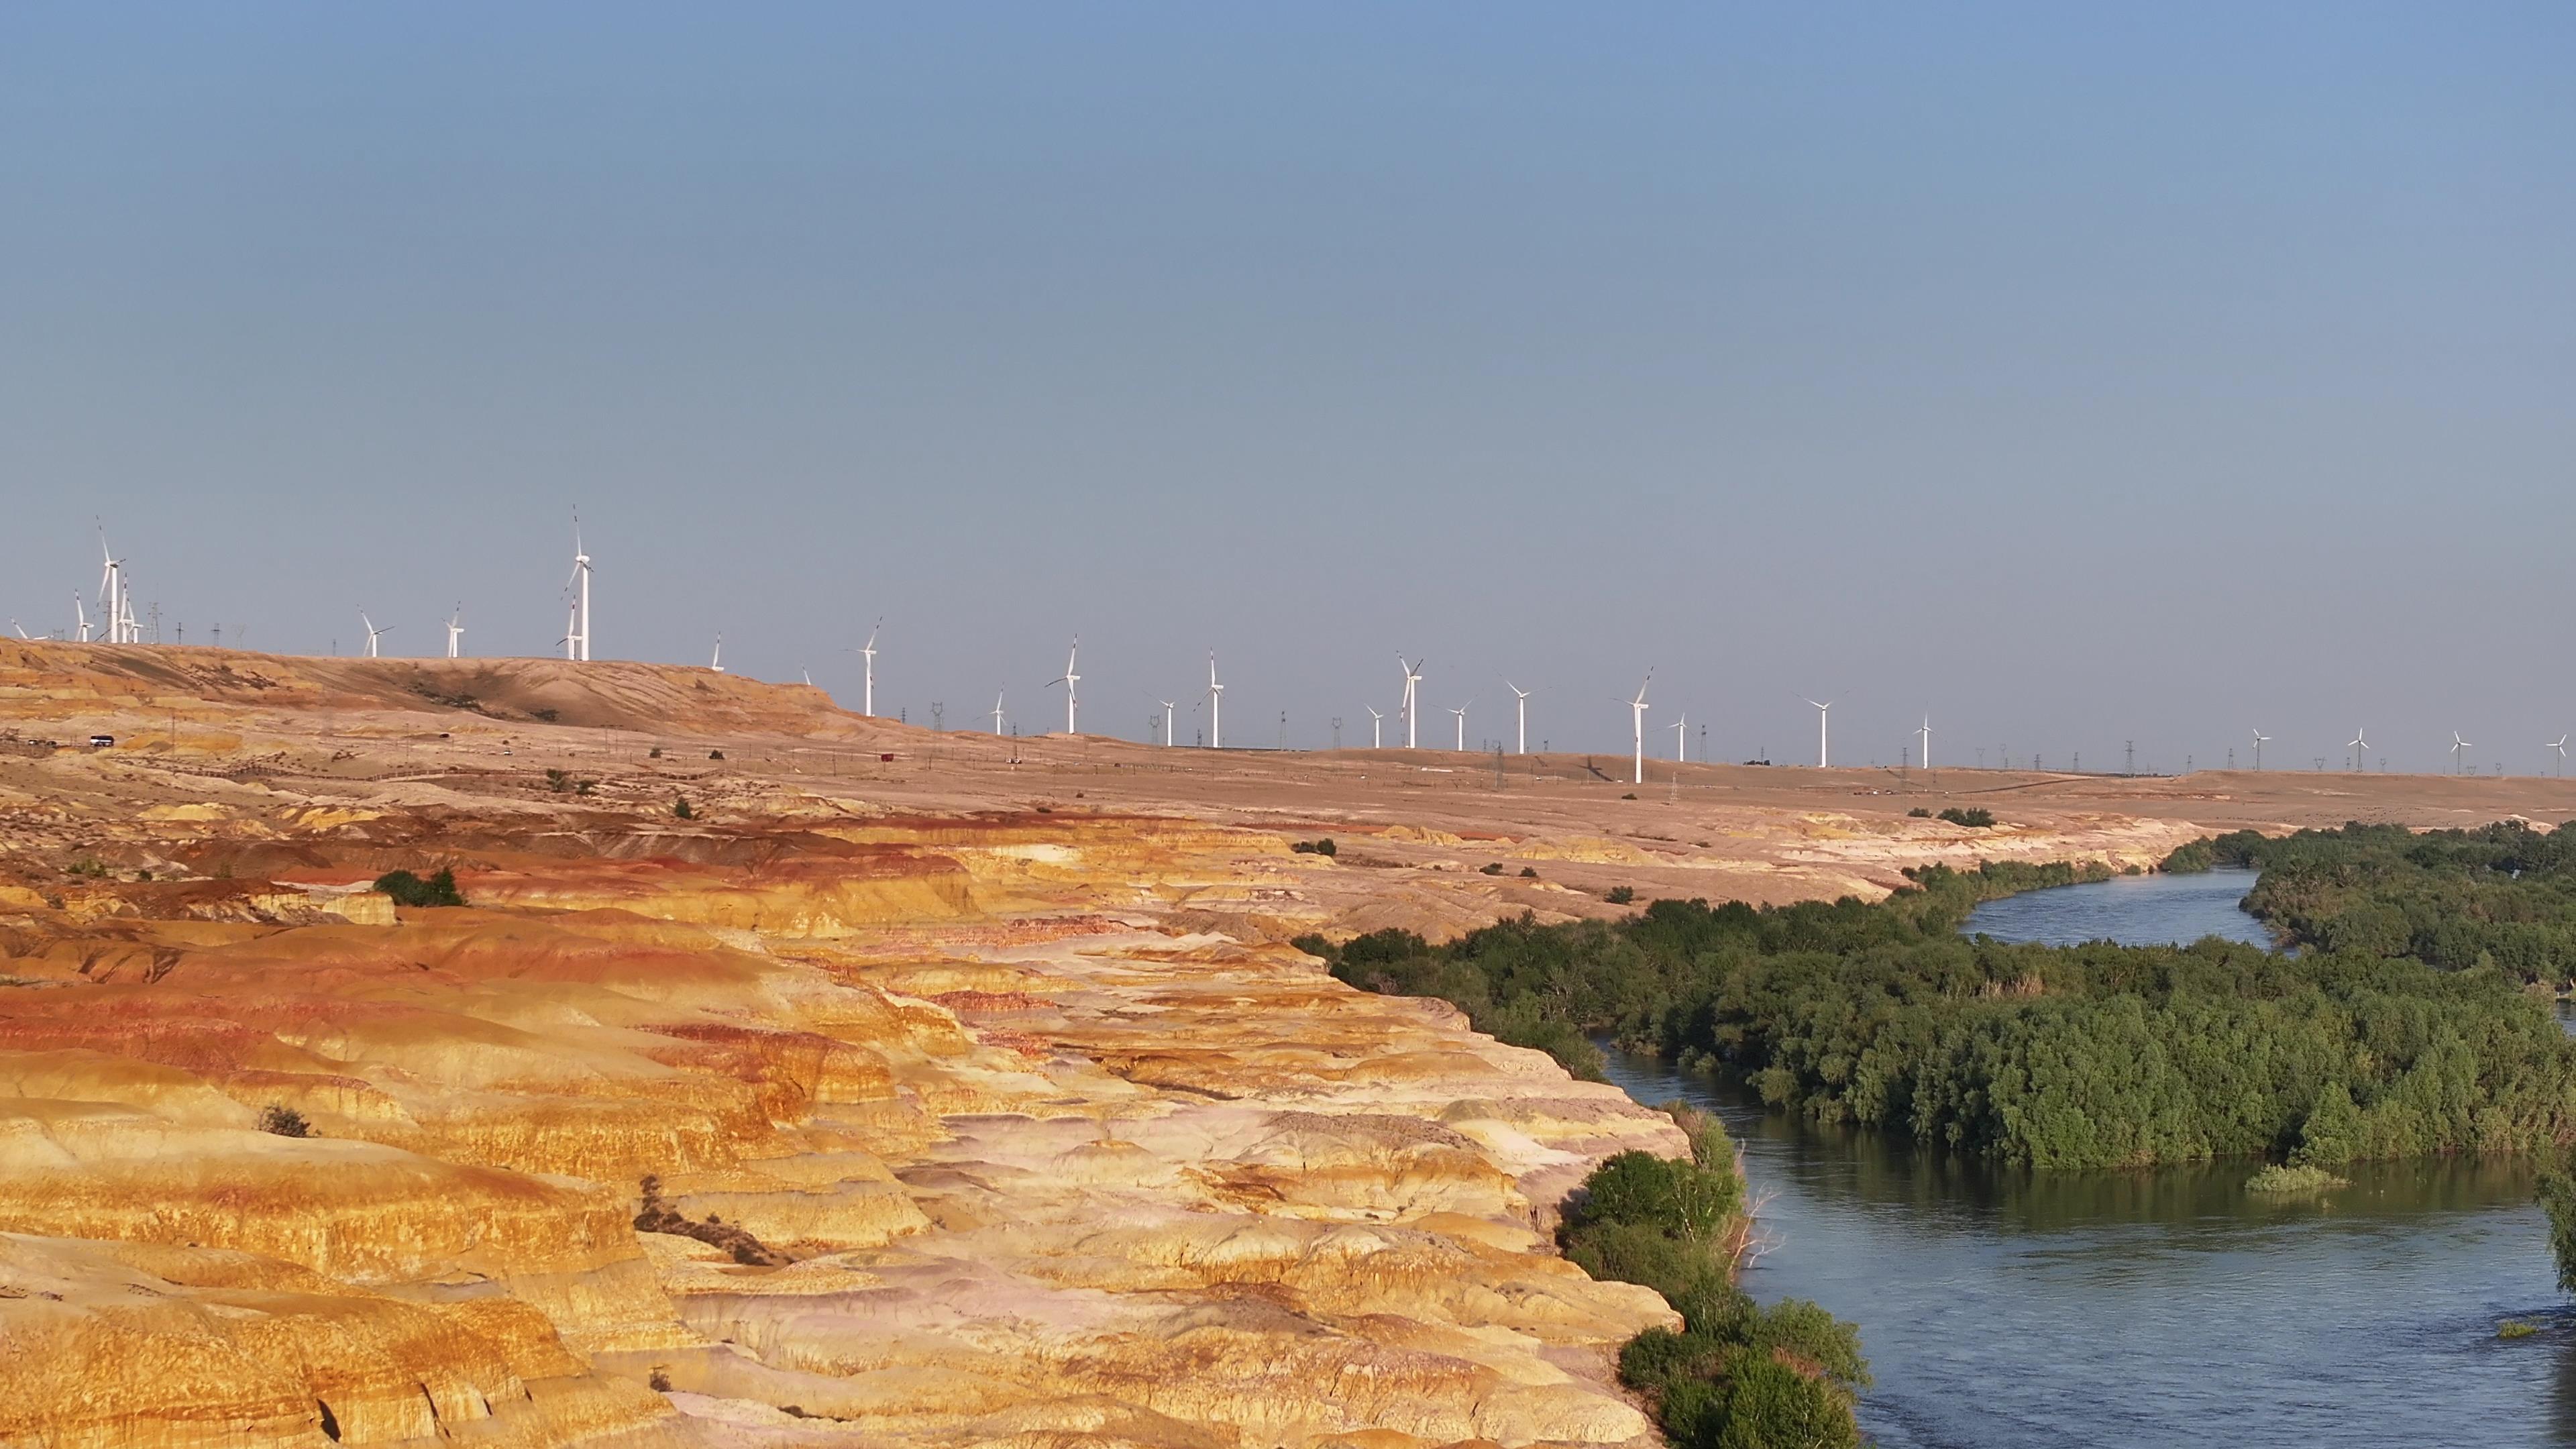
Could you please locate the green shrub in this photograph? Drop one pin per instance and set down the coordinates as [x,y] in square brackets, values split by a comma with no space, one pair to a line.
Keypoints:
[1621,895]
[1529,872]
[2513,1328]
[2278,1180]
[2558,1199]
[680,808]
[1919,813]
[1975,817]
[1491,867]
[1323,847]
[2193,858]
[408,889]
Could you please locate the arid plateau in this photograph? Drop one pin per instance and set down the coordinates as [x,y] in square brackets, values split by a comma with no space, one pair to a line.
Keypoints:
[911,1088]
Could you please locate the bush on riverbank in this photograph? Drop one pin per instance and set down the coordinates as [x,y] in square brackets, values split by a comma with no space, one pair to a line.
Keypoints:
[1880,1015]
[1738,1375]
[2282,1179]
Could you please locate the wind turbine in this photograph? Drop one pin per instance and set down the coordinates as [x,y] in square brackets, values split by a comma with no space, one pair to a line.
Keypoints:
[576,640]
[717,663]
[868,652]
[1520,698]
[1412,677]
[455,631]
[1637,724]
[1167,721]
[2559,744]
[1681,741]
[997,709]
[2459,750]
[1072,683]
[1461,712]
[20,628]
[1823,712]
[112,597]
[81,615]
[1926,733]
[1216,706]
[1377,727]
[2358,746]
[2260,740]
[373,633]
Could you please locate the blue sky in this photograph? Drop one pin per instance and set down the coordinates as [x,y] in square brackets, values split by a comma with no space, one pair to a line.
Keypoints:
[2074,375]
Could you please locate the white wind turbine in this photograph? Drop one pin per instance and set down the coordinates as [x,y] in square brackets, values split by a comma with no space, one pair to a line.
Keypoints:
[2459,751]
[1926,733]
[576,640]
[373,633]
[2358,746]
[1461,712]
[868,690]
[1824,710]
[1216,706]
[1520,698]
[1377,727]
[20,628]
[456,632]
[1681,741]
[997,709]
[2559,744]
[1072,683]
[113,597]
[81,616]
[1168,707]
[1412,677]
[717,663]
[2260,740]
[1637,724]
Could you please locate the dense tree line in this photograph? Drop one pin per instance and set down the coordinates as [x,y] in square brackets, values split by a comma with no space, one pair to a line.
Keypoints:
[1882,1015]
[2500,896]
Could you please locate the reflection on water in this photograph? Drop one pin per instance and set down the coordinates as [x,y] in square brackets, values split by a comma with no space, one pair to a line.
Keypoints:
[2009,1308]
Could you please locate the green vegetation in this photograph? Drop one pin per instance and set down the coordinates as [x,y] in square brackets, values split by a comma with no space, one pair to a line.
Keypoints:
[680,808]
[1919,813]
[1324,847]
[1621,895]
[1738,1375]
[1529,872]
[2500,896]
[408,889]
[1491,867]
[90,868]
[1881,1015]
[562,783]
[1976,817]
[2513,1328]
[2276,1179]
[2558,1199]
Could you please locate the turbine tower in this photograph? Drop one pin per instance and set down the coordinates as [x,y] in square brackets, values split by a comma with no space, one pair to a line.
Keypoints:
[2459,751]
[81,615]
[1681,741]
[1926,733]
[997,709]
[1377,727]
[2358,746]
[1072,683]
[1167,722]
[1461,712]
[456,631]
[1216,706]
[1520,698]
[1412,677]
[717,663]
[868,690]
[373,633]
[1637,724]
[2260,740]
[576,639]
[1824,711]
[2559,744]
[114,597]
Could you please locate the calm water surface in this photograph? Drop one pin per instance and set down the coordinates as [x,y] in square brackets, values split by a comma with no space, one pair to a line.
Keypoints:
[2005,1308]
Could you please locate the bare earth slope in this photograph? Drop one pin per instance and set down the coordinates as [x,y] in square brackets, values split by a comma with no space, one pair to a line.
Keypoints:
[981,1100]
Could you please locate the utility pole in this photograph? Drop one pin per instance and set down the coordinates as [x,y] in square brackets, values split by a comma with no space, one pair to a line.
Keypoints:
[1283,729]
[938,713]
[1498,764]
[1337,732]
[2133,759]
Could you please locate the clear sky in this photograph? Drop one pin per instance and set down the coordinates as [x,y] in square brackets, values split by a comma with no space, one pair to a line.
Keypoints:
[2072,375]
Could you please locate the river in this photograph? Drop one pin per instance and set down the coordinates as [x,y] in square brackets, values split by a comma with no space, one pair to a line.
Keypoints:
[2007,1308]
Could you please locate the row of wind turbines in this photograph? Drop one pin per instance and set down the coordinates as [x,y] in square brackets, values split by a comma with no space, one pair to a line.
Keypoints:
[115,598]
